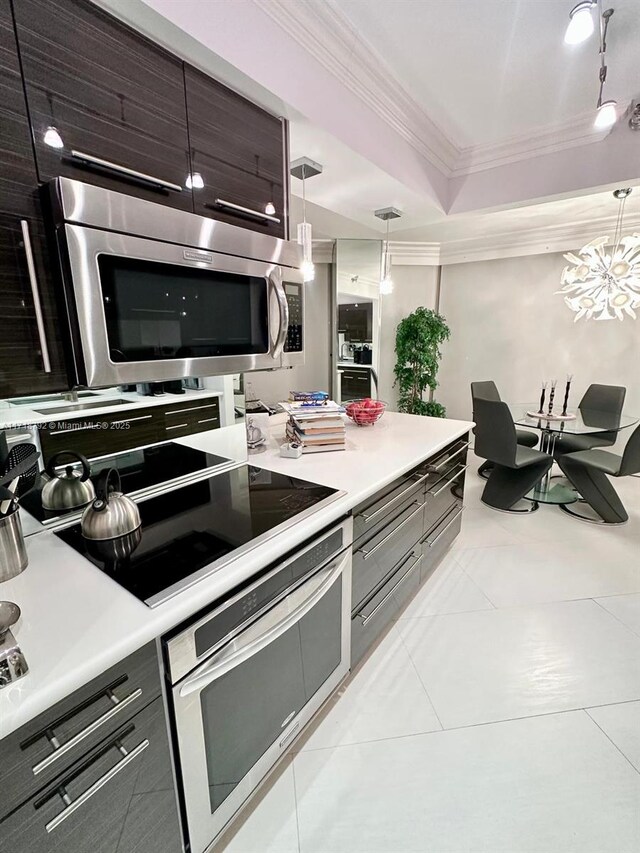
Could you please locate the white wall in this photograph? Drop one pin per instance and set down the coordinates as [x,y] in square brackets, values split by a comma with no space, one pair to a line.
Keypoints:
[413,286]
[313,375]
[507,324]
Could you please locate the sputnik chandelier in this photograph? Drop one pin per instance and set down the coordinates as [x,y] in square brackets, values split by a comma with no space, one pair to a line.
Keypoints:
[602,284]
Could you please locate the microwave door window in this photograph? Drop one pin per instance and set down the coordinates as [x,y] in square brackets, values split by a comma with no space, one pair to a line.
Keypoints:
[155,311]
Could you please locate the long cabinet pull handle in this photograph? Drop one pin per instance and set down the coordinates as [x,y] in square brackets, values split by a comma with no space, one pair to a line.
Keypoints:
[382,603]
[384,508]
[450,480]
[130,420]
[436,468]
[75,429]
[444,530]
[192,409]
[367,554]
[91,160]
[249,211]
[176,426]
[35,295]
[119,705]
[73,805]
[207,420]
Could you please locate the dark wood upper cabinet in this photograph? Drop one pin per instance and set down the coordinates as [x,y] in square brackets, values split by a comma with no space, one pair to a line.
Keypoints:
[239,149]
[111,93]
[25,277]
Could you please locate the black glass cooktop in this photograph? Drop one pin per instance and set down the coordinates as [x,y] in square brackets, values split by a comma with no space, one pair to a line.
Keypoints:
[192,527]
[138,469]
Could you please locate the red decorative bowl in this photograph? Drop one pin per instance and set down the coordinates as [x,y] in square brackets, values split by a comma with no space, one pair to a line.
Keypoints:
[365,412]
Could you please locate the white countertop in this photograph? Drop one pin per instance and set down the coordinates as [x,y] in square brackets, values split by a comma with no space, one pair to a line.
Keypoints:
[13,416]
[76,622]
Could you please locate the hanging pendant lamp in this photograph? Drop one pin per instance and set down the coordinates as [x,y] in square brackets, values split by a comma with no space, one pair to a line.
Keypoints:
[304,168]
[386,282]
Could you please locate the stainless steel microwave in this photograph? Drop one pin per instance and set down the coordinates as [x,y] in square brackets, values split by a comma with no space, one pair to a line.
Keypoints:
[155,294]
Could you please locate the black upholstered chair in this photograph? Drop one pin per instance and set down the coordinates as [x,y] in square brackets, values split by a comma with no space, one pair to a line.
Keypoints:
[516,469]
[589,471]
[599,406]
[488,390]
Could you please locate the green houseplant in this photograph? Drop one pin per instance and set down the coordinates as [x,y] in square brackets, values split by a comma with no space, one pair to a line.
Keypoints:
[418,339]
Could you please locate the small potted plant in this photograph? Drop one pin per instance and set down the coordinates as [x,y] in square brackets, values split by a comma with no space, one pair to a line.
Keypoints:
[418,340]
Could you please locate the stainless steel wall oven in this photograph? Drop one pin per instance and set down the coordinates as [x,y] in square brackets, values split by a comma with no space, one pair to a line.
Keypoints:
[246,677]
[155,294]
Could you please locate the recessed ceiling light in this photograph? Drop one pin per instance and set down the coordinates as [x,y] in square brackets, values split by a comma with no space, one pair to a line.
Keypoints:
[580,25]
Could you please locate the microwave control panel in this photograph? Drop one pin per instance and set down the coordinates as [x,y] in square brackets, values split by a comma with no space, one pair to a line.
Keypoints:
[293,292]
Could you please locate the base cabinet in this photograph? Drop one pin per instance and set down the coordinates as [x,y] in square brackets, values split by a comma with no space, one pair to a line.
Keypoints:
[400,536]
[119,798]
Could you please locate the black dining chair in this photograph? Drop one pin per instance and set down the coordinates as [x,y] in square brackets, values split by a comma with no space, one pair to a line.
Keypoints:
[600,406]
[516,469]
[589,472]
[488,390]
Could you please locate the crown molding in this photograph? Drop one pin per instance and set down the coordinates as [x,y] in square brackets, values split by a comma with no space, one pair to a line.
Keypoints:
[325,33]
[415,254]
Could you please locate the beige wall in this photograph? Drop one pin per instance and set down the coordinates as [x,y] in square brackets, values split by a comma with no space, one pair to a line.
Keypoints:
[275,385]
[507,324]
[414,286]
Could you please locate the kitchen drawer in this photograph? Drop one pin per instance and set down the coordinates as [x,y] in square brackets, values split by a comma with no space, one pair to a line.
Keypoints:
[191,417]
[385,602]
[119,798]
[76,724]
[372,515]
[439,539]
[100,434]
[374,559]
[445,464]
[440,497]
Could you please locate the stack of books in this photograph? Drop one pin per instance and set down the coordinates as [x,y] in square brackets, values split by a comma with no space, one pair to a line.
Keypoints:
[316,425]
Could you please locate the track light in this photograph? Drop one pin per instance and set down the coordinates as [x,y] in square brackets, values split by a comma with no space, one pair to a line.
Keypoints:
[580,25]
[52,138]
[606,115]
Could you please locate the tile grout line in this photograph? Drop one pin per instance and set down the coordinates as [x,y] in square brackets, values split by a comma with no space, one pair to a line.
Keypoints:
[626,758]
[477,586]
[613,615]
[422,684]
[295,798]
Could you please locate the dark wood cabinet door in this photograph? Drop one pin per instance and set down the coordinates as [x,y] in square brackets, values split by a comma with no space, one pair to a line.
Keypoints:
[239,149]
[22,367]
[111,94]
[124,798]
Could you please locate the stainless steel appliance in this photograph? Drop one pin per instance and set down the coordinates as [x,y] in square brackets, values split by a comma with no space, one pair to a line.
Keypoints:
[250,674]
[156,294]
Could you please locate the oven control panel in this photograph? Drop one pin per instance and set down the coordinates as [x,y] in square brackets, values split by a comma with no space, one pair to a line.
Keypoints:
[293,292]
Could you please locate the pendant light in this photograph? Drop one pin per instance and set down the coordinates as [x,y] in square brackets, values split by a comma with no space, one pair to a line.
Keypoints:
[580,25]
[601,284]
[302,169]
[52,137]
[194,181]
[386,282]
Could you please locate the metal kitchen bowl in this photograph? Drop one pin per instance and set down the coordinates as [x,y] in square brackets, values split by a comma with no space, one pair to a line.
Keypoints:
[80,407]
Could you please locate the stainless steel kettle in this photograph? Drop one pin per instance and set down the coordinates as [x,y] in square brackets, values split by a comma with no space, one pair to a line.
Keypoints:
[111,514]
[71,490]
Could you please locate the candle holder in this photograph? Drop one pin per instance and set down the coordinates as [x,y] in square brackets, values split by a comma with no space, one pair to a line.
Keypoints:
[566,394]
[554,382]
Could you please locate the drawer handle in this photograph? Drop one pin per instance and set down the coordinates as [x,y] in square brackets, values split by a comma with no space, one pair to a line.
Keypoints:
[176,426]
[207,420]
[35,295]
[192,409]
[118,706]
[91,160]
[450,480]
[444,530]
[383,509]
[220,202]
[367,554]
[131,420]
[382,603]
[73,805]
[434,469]
[76,429]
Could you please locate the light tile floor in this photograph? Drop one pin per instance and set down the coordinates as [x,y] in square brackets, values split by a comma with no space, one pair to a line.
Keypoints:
[501,713]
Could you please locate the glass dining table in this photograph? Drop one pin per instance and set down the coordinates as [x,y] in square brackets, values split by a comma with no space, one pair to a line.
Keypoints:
[579,422]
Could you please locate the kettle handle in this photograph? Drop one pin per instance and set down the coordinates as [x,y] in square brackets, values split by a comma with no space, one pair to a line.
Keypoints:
[51,464]
[106,478]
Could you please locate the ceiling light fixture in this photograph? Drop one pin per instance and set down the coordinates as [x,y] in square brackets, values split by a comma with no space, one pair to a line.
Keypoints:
[270,208]
[606,115]
[580,25]
[605,285]
[634,118]
[386,282]
[52,138]
[302,169]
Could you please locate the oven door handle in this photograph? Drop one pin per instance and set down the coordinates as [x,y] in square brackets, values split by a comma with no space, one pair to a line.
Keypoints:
[268,628]
[283,311]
